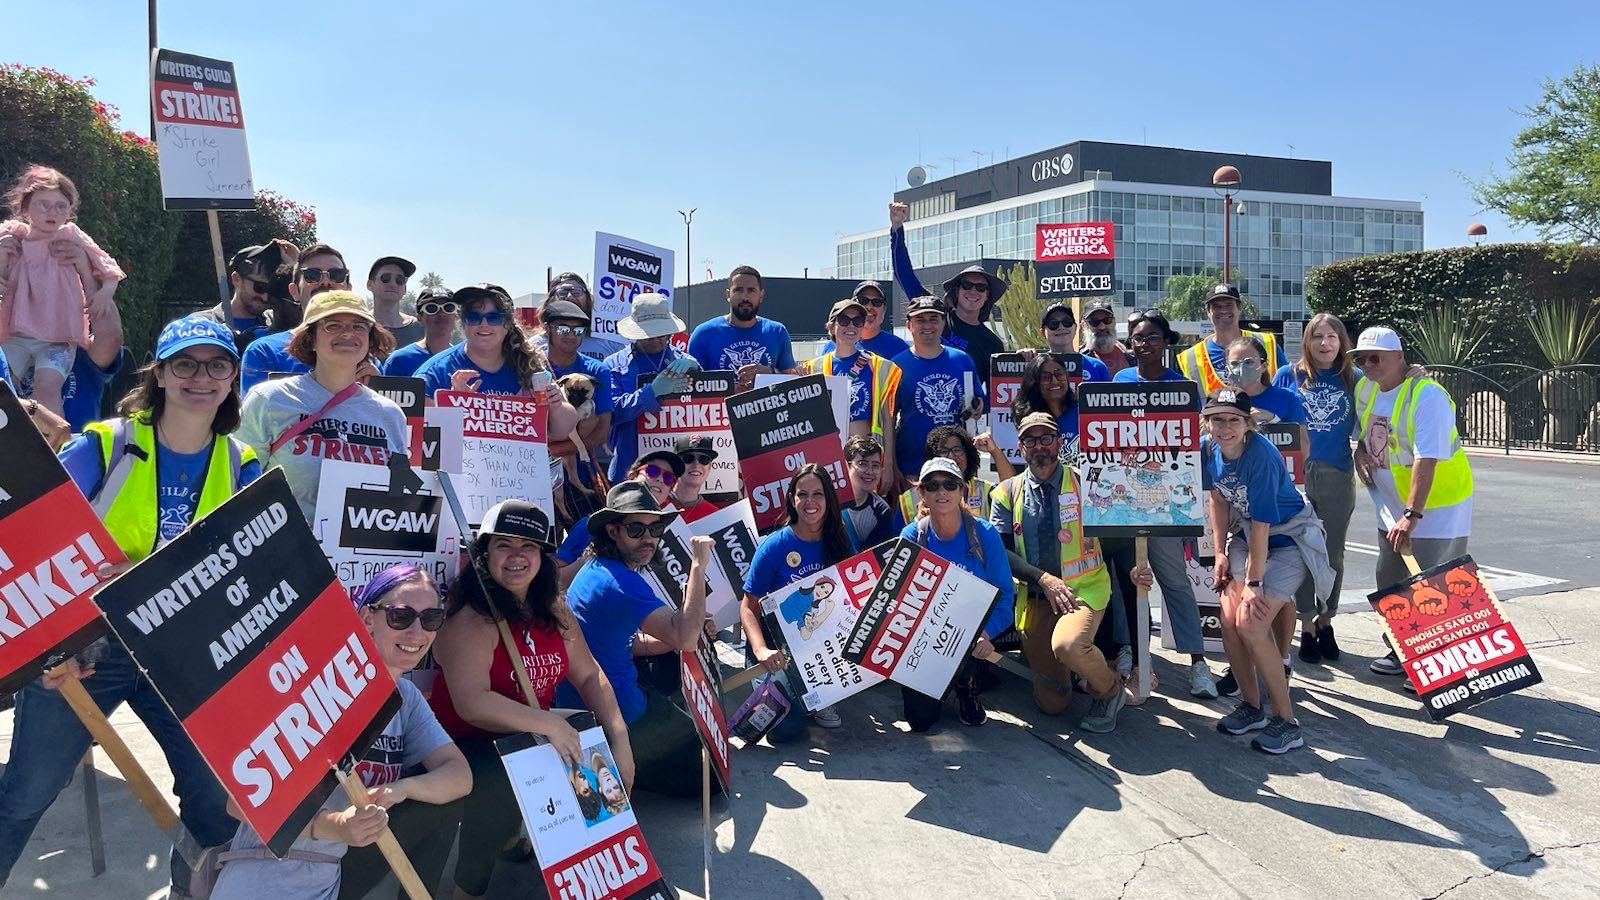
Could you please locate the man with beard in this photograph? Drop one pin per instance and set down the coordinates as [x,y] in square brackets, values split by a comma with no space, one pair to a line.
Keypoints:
[1205,362]
[1100,338]
[969,296]
[612,603]
[743,341]
[386,282]
[878,334]
[249,312]
[938,386]
[320,268]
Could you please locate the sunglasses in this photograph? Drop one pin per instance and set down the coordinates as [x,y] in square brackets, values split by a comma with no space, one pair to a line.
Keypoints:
[935,485]
[572,330]
[490,317]
[638,530]
[387,278]
[851,321]
[569,291]
[400,617]
[436,307]
[1099,321]
[695,459]
[651,470]
[260,287]
[872,301]
[1054,375]
[1053,324]
[218,368]
[1363,358]
[313,275]
[981,287]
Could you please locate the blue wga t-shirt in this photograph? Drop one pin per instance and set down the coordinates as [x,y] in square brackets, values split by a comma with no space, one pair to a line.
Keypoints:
[609,600]
[83,390]
[595,369]
[860,385]
[885,343]
[179,479]
[994,566]
[575,543]
[436,372]
[265,356]
[781,558]
[1330,415]
[721,346]
[930,395]
[1285,404]
[405,362]
[1257,484]
[1131,375]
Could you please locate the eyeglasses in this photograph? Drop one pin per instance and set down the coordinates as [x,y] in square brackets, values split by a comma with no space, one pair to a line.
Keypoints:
[866,463]
[851,321]
[490,317]
[695,459]
[569,291]
[333,326]
[313,275]
[935,485]
[1043,440]
[1053,324]
[436,307]
[386,278]
[1363,358]
[260,287]
[651,470]
[218,368]
[49,206]
[1053,375]
[1146,338]
[571,330]
[981,287]
[951,450]
[400,617]
[872,301]
[637,530]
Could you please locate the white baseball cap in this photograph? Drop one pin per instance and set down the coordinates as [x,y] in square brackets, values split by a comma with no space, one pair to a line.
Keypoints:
[940,465]
[1378,338]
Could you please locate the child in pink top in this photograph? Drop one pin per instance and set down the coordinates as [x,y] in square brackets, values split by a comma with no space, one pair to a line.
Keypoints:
[50,272]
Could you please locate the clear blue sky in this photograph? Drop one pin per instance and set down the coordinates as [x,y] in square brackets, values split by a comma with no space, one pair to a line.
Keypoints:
[487,140]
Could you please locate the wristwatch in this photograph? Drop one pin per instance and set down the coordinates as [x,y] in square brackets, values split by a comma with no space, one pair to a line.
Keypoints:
[1412,514]
[1254,582]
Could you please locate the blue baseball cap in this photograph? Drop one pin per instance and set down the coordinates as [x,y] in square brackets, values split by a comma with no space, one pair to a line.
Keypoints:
[194,331]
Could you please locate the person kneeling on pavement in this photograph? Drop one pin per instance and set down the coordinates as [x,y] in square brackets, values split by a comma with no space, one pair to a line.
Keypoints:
[1065,587]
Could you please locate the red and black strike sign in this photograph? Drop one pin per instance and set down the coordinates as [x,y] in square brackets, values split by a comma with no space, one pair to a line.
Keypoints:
[1075,259]
[1455,642]
[1286,437]
[617,868]
[777,429]
[196,90]
[702,694]
[247,635]
[51,543]
[411,395]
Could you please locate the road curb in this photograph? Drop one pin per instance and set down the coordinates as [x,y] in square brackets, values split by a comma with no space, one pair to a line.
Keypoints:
[1580,459]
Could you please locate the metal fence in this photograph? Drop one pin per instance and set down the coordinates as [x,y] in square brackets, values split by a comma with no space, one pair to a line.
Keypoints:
[1520,407]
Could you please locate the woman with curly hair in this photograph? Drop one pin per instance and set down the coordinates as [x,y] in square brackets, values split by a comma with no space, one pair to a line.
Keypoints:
[953,443]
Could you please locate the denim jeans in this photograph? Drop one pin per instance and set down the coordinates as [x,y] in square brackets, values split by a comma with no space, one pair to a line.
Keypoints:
[1178,609]
[47,741]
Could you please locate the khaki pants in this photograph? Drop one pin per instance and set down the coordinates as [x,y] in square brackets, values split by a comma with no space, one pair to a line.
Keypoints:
[1062,645]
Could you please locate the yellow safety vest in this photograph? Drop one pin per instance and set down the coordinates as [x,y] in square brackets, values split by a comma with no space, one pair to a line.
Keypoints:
[1195,362]
[126,500]
[1452,478]
[885,380]
[979,500]
[1082,566]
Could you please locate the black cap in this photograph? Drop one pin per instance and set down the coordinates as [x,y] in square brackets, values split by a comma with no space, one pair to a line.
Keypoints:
[406,265]
[925,303]
[563,309]
[439,294]
[1061,305]
[670,457]
[483,290]
[518,519]
[696,443]
[1223,291]
[630,498]
[1228,400]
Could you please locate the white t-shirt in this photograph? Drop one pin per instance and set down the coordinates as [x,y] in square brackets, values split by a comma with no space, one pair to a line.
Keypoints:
[1435,418]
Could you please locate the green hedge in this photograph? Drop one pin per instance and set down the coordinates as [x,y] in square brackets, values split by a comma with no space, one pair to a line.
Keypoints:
[1496,283]
[192,284]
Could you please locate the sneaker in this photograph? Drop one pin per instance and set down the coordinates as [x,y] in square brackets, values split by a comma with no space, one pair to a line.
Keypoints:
[972,711]
[1387,665]
[1228,686]
[1279,737]
[1125,662]
[1309,651]
[1244,718]
[1102,715]
[1408,687]
[1326,645]
[1201,684]
[827,717]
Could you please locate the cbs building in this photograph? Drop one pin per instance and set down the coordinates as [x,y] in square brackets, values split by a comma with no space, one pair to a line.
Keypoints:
[1168,219]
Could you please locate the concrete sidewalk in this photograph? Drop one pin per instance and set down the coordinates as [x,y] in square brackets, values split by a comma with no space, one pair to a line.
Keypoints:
[1502,802]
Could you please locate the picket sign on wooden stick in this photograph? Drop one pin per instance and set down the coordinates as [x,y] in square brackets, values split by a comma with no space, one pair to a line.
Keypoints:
[1021,671]
[99,728]
[388,845]
[1411,563]
[744,677]
[1141,560]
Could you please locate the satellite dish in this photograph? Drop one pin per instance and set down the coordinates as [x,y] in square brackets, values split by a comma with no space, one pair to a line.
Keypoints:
[917,176]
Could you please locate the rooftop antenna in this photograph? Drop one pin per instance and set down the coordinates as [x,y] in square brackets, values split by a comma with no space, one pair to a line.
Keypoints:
[953,161]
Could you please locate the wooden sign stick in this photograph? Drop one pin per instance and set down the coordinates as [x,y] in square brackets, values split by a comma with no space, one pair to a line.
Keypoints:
[1141,560]
[1411,563]
[388,845]
[705,813]
[99,728]
[744,677]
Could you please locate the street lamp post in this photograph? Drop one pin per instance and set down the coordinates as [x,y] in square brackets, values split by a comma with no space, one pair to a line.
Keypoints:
[1224,181]
[1476,232]
[688,257]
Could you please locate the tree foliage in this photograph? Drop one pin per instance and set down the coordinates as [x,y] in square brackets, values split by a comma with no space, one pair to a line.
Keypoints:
[1186,295]
[1554,180]
[193,282]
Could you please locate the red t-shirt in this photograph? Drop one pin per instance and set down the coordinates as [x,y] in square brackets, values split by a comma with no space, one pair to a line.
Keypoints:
[698,511]
[544,654]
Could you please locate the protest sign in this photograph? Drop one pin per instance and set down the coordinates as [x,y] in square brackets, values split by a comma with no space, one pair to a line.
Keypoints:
[504,455]
[366,524]
[410,394]
[733,529]
[1453,639]
[624,267]
[1076,259]
[1139,446]
[920,620]
[1005,383]
[777,429]
[580,821]
[701,683]
[51,543]
[839,388]
[1199,564]
[814,616]
[668,571]
[205,163]
[441,439]
[242,628]
[1286,436]
[700,410]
